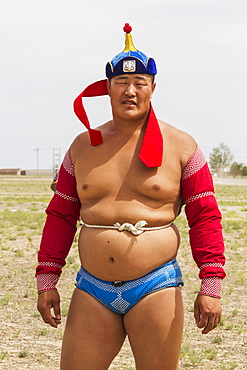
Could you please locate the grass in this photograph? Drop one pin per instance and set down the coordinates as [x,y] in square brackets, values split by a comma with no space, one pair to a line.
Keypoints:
[20,221]
[22,205]
[25,185]
[2,356]
[190,356]
[4,301]
[23,354]
[217,340]
[231,366]
[24,199]
[231,195]
[231,224]
[43,332]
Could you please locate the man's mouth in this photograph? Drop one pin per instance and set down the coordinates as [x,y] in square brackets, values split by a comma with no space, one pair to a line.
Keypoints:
[129,102]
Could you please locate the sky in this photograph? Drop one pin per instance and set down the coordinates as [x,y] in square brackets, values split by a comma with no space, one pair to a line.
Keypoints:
[52,49]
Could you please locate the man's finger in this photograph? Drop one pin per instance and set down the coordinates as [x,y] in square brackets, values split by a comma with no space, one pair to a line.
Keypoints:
[203,321]
[210,326]
[217,320]
[197,315]
[51,322]
[48,319]
[57,312]
[46,316]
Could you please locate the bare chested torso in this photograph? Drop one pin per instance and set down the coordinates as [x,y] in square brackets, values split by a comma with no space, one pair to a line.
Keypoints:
[115,186]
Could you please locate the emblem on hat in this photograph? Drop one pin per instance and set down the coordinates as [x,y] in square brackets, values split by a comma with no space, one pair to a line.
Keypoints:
[129,66]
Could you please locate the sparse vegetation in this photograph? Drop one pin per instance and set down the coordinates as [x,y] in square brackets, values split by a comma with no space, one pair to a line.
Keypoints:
[2,356]
[22,354]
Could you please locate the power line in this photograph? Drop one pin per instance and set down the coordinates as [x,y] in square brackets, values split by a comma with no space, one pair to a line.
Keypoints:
[23,151]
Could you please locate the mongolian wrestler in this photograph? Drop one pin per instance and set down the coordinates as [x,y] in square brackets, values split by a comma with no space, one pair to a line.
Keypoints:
[127,181]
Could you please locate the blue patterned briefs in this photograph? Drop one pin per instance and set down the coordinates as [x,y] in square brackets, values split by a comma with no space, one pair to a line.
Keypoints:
[120,296]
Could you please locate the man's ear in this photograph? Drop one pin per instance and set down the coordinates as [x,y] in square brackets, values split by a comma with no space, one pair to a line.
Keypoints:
[108,84]
[153,88]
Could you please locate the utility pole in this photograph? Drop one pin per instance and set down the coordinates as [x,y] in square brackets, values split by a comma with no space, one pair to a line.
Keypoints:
[56,159]
[37,152]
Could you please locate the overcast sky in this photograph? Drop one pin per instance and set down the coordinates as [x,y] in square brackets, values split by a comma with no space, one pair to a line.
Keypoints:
[52,49]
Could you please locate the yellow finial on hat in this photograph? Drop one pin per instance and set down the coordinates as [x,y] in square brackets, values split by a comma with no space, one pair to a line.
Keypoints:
[128,39]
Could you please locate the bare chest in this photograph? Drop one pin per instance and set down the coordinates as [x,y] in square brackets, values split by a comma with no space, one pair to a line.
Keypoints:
[124,177]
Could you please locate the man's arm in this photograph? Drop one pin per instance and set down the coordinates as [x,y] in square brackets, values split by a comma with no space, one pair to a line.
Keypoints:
[204,219]
[58,234]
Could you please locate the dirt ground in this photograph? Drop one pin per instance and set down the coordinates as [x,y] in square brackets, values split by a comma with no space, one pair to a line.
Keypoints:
[27,343]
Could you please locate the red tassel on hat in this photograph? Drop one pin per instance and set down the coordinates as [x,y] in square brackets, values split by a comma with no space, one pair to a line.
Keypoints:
[98,88]
[151,152]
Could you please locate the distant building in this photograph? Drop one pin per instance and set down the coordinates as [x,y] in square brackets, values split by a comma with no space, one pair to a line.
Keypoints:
[10,171]
[48,173]
[19,172]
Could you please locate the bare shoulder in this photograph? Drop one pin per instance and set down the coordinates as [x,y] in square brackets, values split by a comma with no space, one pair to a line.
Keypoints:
[81,141]
[179,141]
[81,144]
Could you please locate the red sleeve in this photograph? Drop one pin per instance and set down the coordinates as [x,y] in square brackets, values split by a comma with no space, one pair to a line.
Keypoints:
[204,217]
[60,226]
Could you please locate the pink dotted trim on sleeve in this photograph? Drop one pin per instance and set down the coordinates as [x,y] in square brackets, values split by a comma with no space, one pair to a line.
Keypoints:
[68,165]
[195,163]
[46,282]
[50,264]
[211,264]
[211,286]
[67,197]
[199,196]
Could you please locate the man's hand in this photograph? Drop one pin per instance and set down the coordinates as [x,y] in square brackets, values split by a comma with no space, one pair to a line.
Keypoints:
[46,301]
[207,312]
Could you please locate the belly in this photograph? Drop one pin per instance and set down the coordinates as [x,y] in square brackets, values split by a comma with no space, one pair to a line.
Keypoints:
[112,255]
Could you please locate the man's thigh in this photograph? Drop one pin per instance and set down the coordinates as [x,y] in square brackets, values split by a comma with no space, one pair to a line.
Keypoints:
[93,335]
[155,326]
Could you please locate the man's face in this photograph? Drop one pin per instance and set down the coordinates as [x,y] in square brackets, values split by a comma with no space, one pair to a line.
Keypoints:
[130,95]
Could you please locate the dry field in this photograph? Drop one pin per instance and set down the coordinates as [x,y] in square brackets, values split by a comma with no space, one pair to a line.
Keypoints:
[27,343]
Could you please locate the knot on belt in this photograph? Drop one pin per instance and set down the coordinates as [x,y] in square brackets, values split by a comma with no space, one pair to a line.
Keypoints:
[136,229]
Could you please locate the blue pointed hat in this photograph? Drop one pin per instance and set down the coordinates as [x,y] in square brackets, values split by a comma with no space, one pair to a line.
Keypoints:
[130,60]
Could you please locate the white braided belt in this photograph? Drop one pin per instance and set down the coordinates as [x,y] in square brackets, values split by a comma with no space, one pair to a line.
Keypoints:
[136,229]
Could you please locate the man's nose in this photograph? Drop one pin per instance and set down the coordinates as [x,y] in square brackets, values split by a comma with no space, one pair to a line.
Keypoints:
[130,90]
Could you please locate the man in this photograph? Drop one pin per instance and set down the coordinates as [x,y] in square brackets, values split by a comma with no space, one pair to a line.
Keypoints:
[128,181]
[54,181]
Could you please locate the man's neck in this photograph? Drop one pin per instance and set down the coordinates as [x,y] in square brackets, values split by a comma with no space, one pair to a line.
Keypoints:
[128,127]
